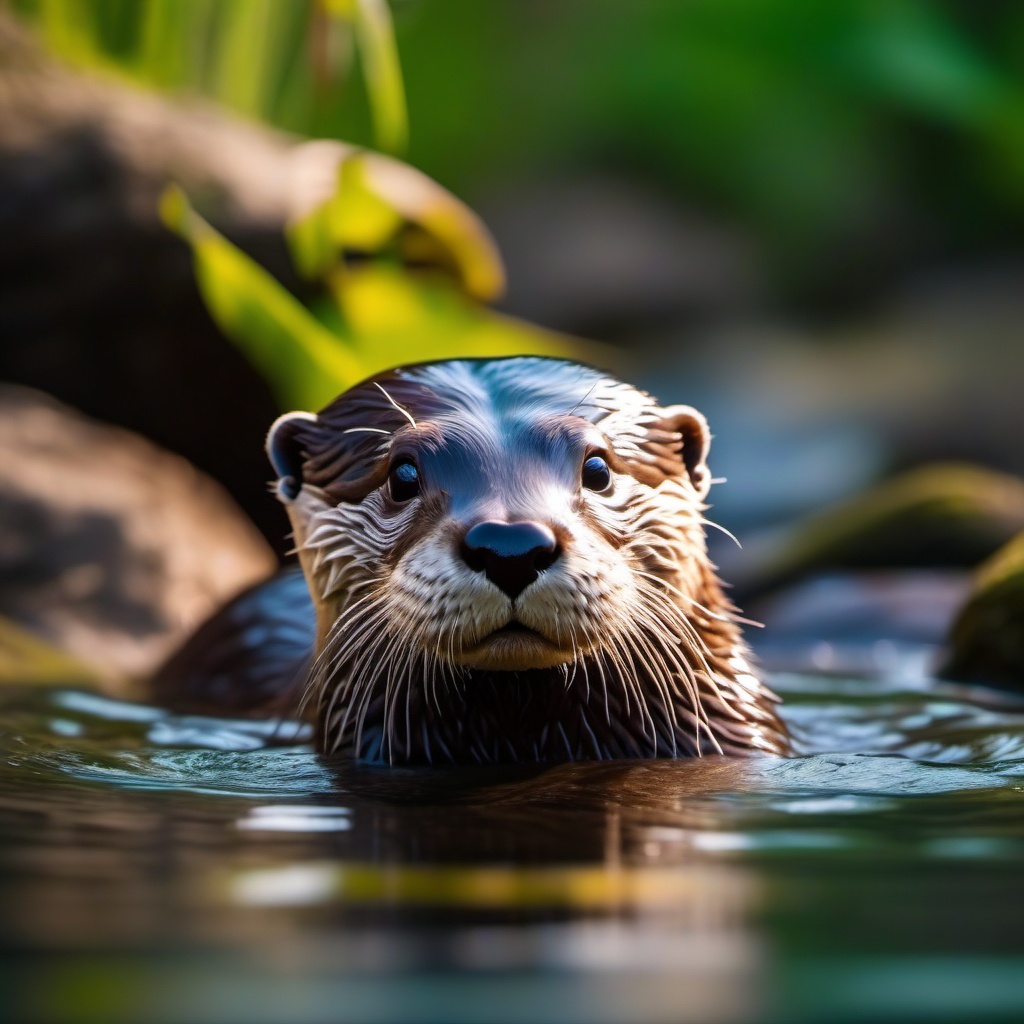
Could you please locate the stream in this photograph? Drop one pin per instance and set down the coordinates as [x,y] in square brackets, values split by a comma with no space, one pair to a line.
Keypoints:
[174,868]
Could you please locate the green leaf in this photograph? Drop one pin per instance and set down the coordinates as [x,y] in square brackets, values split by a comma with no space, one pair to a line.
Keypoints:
[387,317]
[305,364]
[383,316]
[383,205]
[397,317]
[914,55]
[249,56]
[378,52]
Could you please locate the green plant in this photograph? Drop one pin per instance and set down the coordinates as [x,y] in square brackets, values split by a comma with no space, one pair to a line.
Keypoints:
[426,266]
[268,59]
[820,127]
[425,269]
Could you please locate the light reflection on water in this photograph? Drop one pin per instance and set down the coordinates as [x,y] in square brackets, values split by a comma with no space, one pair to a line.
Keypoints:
[166,867]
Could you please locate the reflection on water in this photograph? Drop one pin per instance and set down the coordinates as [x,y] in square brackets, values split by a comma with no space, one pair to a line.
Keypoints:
[178,868]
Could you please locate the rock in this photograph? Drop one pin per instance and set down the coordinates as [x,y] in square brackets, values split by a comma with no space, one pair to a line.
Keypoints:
[986,641]
[98,300]
[940,516]
[111,549]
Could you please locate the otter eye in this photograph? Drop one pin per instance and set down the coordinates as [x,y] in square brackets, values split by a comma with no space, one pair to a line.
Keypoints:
[596,474]
[404,481]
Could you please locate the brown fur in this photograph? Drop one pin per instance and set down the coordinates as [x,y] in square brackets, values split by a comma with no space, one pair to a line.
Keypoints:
[641,652]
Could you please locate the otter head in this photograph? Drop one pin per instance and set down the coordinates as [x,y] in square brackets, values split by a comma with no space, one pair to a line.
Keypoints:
[485,537]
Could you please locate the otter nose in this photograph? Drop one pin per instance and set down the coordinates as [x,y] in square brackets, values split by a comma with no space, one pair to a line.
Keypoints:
[511,555]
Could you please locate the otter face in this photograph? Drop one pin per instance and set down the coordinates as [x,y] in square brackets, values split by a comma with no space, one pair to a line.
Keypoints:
[467,519]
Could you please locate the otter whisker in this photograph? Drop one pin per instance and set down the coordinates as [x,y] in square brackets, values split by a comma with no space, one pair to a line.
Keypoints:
[451,639]
[632,680]
[705,656]
[727,616]
[336,649]
[636,651]
[595,744]
[369,686]
[683,668]
[430,671]
[581,662]
[591,390]
[688,676]
[405,412]
[357,689]
[685,671]
[329,654]
[722,529]
[392,685]
[665,705]
[598,664]
[565,740]
[690,633]
[660,675]
[403,682]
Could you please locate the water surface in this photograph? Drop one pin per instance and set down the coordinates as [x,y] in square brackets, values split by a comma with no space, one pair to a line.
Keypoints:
[173,868]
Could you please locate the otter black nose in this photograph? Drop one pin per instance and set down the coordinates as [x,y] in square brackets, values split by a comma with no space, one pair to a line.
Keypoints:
[511,555]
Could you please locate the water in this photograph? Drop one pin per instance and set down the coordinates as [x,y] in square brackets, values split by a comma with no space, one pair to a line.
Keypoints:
[169,868]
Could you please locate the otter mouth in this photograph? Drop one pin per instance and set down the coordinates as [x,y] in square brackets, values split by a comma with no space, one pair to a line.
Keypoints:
[513,647]
[515,628]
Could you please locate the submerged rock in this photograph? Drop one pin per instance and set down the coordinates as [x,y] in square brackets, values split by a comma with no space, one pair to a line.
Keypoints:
[111,549]
[986,641]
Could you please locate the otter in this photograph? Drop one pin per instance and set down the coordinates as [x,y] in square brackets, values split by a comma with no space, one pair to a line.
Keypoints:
[503,560]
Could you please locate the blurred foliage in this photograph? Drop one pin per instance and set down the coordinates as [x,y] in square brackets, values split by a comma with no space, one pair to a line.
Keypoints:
[278,60]
[381,204]
[577,887]
[828,128]
[403,266]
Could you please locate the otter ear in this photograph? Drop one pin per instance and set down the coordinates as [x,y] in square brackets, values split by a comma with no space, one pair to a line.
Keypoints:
[692,442]
[284,449]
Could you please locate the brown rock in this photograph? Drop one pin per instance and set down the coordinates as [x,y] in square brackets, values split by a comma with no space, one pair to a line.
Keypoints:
[111,549]
[941,516]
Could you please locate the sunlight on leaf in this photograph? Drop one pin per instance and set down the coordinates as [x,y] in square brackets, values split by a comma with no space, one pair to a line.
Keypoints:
[383,315]
[382,203]
[304,363]
[397,317]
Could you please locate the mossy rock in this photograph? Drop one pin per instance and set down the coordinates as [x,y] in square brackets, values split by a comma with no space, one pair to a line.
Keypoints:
[939,516]
[27,659]
[986,641]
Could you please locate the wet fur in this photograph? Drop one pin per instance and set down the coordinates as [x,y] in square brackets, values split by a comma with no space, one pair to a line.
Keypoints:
[657,665]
